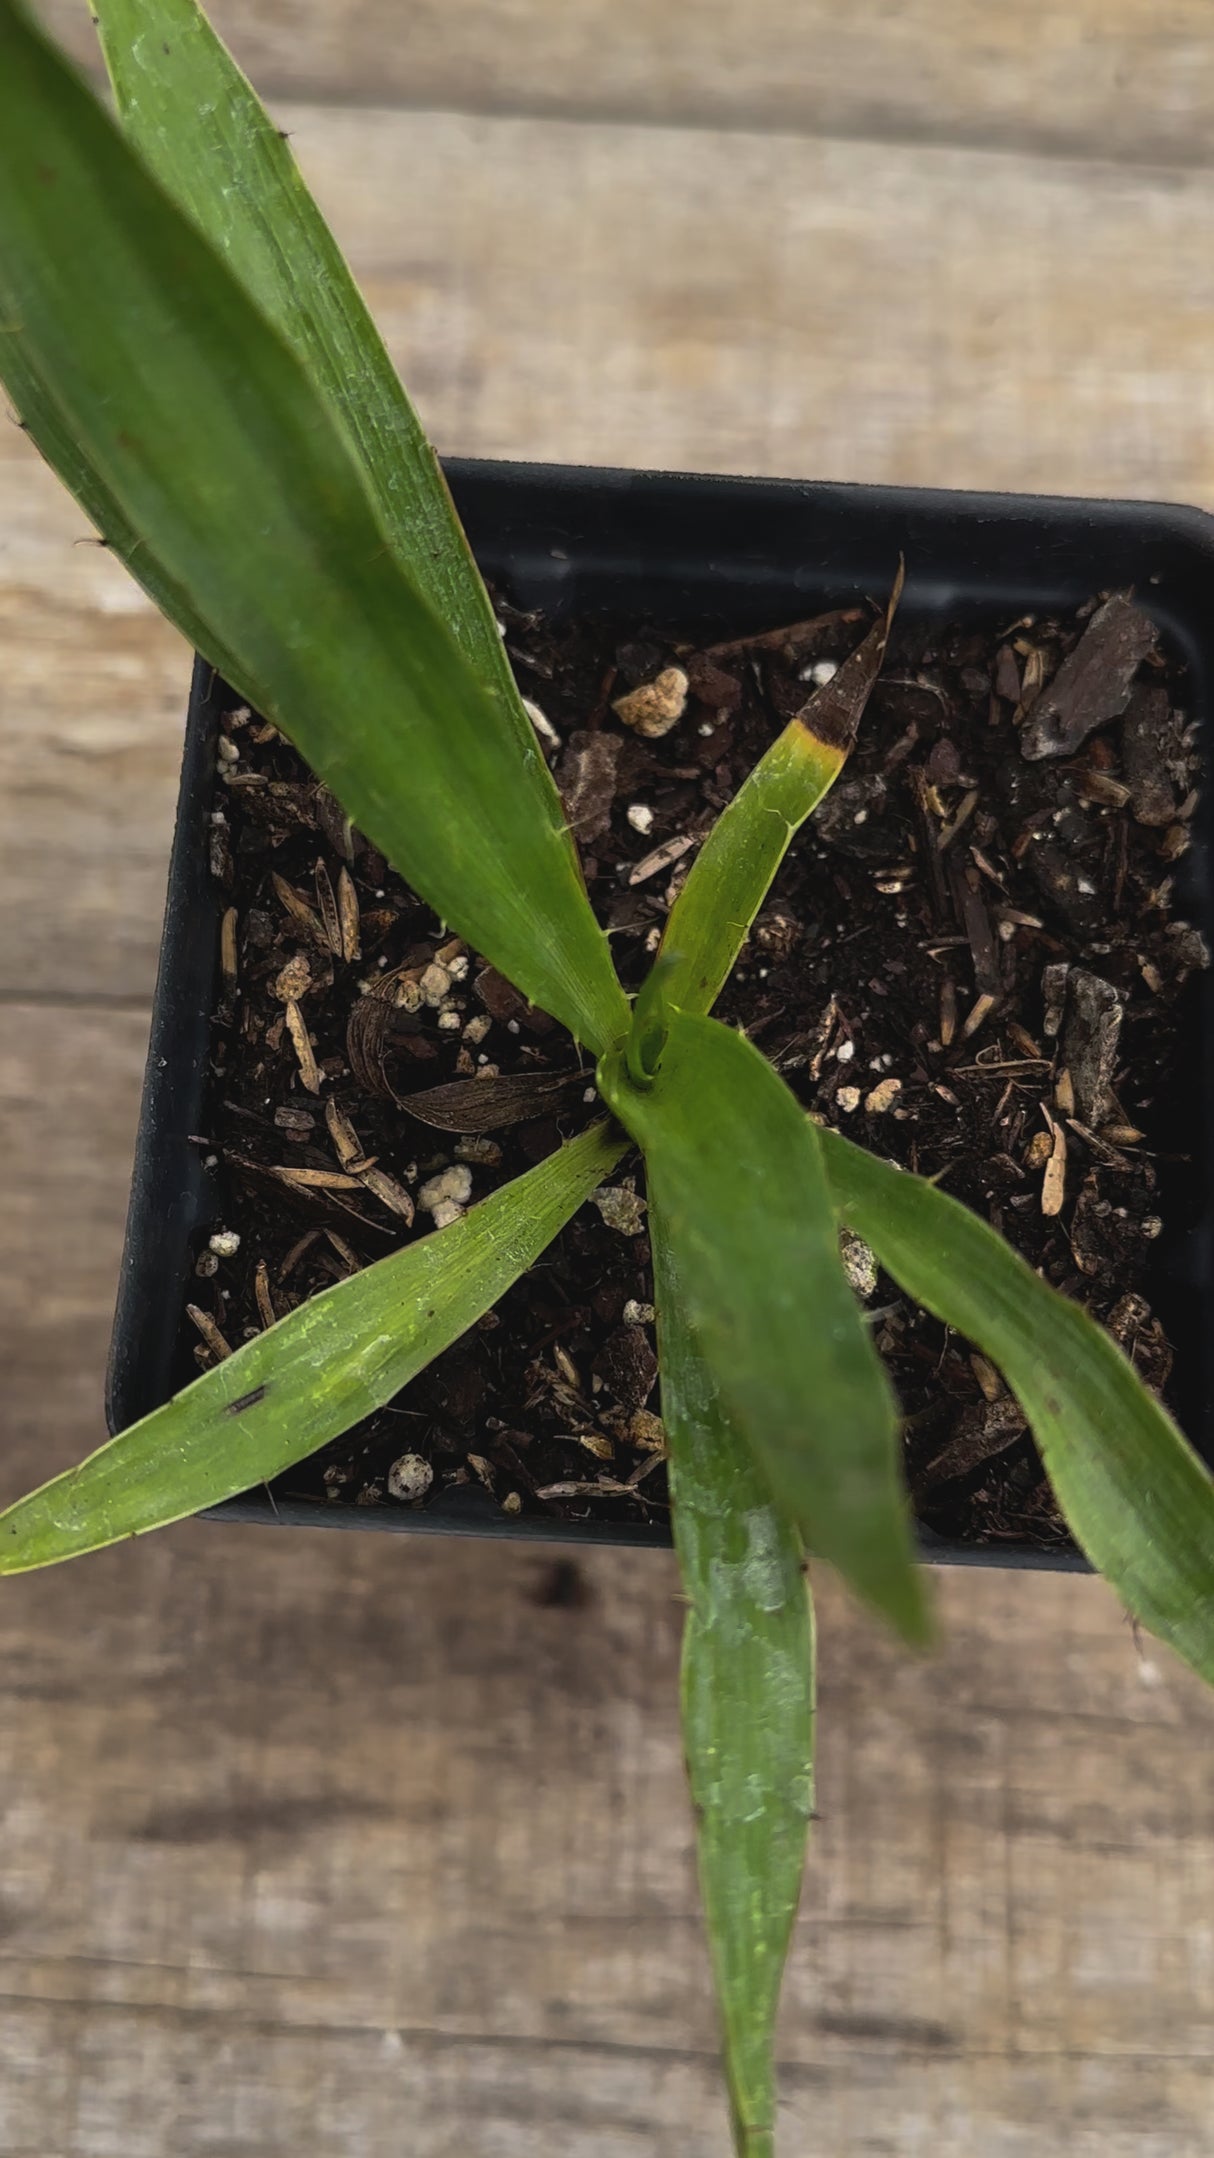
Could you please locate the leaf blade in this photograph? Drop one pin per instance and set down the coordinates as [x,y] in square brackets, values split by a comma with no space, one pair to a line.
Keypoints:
[205,431]
[733,871]
[305,1380]
[747,1695]
[200,127]
[734,1168]
[1139,1502]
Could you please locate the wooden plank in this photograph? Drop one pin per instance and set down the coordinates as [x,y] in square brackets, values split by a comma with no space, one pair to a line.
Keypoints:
[310,1836]
[92,699]
[842,310]
[633,296]
[142,2082]
[1098,78]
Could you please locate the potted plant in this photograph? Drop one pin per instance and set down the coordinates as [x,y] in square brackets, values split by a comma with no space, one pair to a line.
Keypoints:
[230,422]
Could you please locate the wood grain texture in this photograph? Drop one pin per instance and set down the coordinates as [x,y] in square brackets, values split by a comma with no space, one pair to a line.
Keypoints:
[92,696]
[322,1844]
[1097,78]
[838,310]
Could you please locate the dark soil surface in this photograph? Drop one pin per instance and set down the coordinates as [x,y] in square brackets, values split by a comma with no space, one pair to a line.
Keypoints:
[971,961]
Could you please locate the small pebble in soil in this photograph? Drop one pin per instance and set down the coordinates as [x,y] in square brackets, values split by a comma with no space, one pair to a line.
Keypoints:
[640,817]
[821,672]
[409,1478]
[620,1207]
[883,1096]
[654,708]
[638,1314]
[225,1243]
[848,1099]
[859,1263]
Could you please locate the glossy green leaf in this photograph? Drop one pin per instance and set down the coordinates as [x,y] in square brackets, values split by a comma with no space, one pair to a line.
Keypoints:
[304,1381]
[1139,1502]
[748,1705]
[206,432]
[734,1169]
[200,127]
[732,873]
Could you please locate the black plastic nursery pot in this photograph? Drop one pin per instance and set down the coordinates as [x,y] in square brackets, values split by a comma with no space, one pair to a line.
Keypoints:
[697,550]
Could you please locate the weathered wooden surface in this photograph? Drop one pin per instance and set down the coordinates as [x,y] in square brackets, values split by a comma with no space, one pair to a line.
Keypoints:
[1096,78]
[340,1844]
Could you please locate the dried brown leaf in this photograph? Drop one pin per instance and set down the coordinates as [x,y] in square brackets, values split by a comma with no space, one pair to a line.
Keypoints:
[301,1041]
[791,639]
[261,1290]
[227,947]
[348,915]
[308,1179]
[1053,1183]
[345,1252]
[333,822]
[301,1245]
[214,1340]
[671,850]
[387,1191]
[479,1105]
[346,1143]
[326,900]
[367,1033]
[293,903]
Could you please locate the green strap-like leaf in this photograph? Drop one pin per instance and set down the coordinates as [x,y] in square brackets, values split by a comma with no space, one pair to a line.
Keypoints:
[304,1381]
[1139,1502]
[199,125]
[735,1171]
[748,1705]
[204,430]
[732,874]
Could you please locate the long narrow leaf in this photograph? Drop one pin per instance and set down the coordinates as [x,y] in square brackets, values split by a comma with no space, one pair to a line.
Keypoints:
[1139,1502]
[748,1706]
[199,125]
[732,874]
[205,431]
[735,1171]
[304,1381]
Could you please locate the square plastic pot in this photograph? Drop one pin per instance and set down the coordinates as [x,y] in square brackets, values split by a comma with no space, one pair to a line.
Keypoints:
[690,550]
